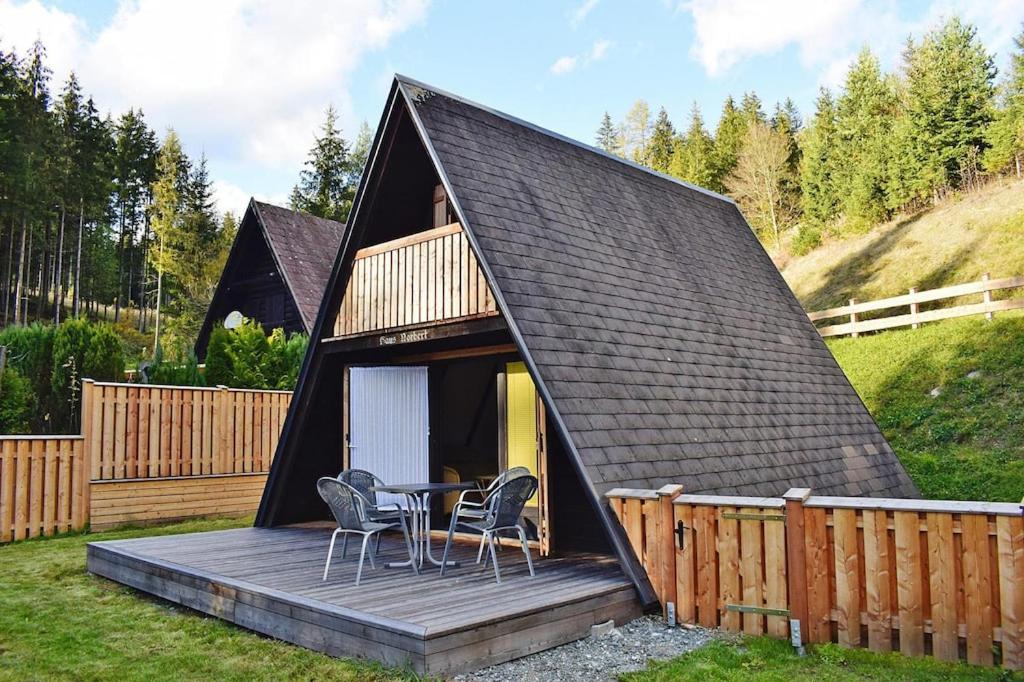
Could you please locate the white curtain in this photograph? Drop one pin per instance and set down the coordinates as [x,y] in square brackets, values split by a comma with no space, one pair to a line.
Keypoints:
[390,424]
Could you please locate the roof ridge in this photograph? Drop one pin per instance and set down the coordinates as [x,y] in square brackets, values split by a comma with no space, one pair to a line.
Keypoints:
[559,136]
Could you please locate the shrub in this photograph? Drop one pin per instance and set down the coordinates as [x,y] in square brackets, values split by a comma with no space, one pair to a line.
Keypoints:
[104,357]
[218,361]
[248,352]
[17,402]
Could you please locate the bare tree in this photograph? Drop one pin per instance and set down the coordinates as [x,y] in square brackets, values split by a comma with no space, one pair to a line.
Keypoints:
[761,180]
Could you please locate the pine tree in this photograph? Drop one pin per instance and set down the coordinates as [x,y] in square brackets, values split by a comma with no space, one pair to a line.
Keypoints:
[865,114]
[608,138]
[693,158]
[750,107]
[360,154]
[1005,136]
[818,163]
[166,216]
[72,123]
[950,93]
[659,149]
[729,136]
[325,186]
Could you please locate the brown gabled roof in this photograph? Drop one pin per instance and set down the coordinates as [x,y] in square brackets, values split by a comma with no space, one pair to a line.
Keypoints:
[672,349]
[304,247]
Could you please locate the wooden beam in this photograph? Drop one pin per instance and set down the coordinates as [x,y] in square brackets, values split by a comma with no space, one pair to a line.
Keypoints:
[457,353]
[409,240]
[482,325]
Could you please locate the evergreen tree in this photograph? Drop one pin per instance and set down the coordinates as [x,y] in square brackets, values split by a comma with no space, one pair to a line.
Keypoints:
[325,186]
[167,216]
[360,153]
[729,136]
[751,108]
[608,138]
[659,150]
[950,91]
[1005,136]
[818,163]
[865,114]
[693,158]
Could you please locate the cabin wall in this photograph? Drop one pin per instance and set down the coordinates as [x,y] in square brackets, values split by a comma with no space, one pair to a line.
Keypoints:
[575,525]
[252,285]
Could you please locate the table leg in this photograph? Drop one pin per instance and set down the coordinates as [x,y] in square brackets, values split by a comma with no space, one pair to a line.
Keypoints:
[426,516]
[415,532]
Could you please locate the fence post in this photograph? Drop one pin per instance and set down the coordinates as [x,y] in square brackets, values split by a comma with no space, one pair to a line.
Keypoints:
[667,569]
[986,296]
[85,428]
[853,320]
[796,560]
[915,308]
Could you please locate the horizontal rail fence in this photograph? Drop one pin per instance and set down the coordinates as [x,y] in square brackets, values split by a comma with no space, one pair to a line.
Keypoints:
[422,279]
[138,431]
[44,486]
[912,301]
[921,577]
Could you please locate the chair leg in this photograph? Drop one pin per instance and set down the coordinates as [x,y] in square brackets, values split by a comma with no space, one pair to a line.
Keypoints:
[480,552]
[526,549]
[362,553]
[344,545]
[369,555]
[377,550]
[448,544]
[494,560]
[485,541]
[408,546]
[330,551]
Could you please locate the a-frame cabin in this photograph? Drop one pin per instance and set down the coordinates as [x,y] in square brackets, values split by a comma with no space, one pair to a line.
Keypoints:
[503,296]
[276,271]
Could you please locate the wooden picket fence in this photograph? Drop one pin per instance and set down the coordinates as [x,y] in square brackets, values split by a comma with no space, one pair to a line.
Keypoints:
[146,454]
[923,577]
[912,300]
[44,486]
[143,431]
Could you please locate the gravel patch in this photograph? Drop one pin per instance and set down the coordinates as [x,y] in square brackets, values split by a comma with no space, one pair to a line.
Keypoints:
[595,658]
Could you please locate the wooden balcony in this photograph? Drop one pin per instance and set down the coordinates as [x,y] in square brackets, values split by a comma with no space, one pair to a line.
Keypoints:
[425,279]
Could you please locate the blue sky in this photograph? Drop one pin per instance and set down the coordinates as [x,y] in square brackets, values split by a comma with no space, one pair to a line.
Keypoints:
[246,81]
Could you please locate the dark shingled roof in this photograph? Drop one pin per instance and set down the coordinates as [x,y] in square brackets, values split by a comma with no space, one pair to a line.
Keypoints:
[304,247]
[670,345]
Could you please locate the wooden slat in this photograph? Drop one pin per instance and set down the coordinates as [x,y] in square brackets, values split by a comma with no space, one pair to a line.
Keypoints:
[977,582]
[752,570]
[847,567]
[775,574]
[818,568]
[942,586]
[706,539]
[877,557]
[1010,549]
[728,569]
[909,583]
[686,595]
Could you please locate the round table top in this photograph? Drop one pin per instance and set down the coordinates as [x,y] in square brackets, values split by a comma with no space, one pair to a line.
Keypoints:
[421,488]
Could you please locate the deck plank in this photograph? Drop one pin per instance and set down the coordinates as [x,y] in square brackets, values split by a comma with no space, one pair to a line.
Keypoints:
[269,580]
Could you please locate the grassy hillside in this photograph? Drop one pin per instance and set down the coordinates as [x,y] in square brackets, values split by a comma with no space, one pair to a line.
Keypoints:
[950,398]
[954,242]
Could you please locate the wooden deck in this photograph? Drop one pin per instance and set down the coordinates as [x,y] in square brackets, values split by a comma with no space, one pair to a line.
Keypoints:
[268,580]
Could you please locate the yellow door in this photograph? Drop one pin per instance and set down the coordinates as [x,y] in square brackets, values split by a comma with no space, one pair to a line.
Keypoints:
[521,413]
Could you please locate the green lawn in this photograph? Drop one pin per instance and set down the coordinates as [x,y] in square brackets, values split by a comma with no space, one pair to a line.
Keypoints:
[57,621]
[765,660]
[966,442]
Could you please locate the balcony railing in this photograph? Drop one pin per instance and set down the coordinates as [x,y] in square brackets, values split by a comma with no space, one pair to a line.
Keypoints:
[426,278]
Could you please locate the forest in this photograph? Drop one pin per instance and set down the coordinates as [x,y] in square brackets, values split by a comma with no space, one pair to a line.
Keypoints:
[887,143]
[101,216]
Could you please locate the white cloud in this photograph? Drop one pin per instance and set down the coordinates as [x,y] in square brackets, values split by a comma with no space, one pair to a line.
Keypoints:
[245,79]
[580,12]
[827,34]
[570,63]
